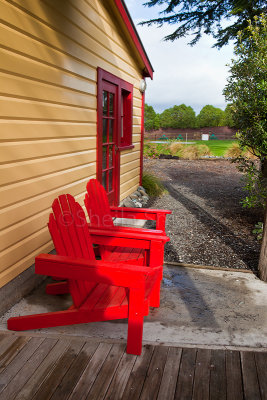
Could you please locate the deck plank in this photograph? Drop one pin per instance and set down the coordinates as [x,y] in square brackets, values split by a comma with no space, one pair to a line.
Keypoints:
[105,375]
[43,371]
[250,378]
[185,380]
[217,375]
[261,363]
[154,374]
[10,349]
[19,361]
[90,373]
[50,384]
[120,379]
[137,377]
[69,381]
[28,369]
[201,385]
[234,376]
[170,374]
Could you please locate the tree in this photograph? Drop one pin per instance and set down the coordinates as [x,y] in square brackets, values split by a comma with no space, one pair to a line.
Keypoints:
[228,118]
[207,16]
[247,92]
[210,116]
[149,117]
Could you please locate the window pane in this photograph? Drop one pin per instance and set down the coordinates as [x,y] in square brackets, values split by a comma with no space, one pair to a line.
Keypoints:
[105,102]
[111,104]
[110,156]
[110,180]
[104,157]
[105,130]
[104,180]
[111,130]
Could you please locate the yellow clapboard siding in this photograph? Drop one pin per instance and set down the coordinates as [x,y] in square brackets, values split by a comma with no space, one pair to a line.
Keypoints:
[129,166]
[137,112]
[27,208]
[29,109]
[10,273]
[27,130]
[20,87]
[14,151]
[19,191]
[91,54]
[136,138]
[128,176]
[126,158]
[16,252]
[137,103]
[18,171]
[129,187]
[18,64]
[136,120]
[136,129]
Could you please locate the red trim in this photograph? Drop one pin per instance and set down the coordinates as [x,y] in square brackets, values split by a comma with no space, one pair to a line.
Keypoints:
[142,137]
[131,146]
[148,72]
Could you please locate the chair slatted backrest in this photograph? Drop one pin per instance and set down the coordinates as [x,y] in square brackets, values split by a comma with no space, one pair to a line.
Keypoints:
[97,205]
[69,231]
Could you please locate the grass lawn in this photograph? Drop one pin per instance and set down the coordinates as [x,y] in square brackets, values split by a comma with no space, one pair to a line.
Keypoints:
[217,147]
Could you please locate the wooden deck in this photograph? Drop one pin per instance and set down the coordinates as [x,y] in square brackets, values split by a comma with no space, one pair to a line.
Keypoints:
[50,368]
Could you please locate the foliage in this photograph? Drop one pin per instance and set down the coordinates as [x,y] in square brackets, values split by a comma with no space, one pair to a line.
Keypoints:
[181,116]
[258,230]
[176,148]
[207,16]
[152,185]
[247,92]
[153,150]
[228,117]
[149,117]
[203,150]
[234,151]
[210,116]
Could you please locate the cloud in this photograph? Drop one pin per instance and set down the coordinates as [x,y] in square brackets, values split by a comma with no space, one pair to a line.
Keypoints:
[194,75]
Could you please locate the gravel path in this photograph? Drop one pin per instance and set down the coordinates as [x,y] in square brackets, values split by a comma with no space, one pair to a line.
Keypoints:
[208,225]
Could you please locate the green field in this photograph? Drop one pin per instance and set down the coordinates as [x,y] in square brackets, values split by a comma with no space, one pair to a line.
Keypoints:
[217,147]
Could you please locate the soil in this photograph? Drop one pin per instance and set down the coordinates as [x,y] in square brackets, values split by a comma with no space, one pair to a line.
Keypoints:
[208,225]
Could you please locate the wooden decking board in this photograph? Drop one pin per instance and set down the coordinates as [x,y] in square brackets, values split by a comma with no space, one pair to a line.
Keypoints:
[154,374]
[19,361]
[28,369]
[69,381]
[184,389]
[137,377]
[217,375]
[234,376]
[105,375]
[261,363]
[250,378]
[43,371]
[170,374]
[201,386]
[63,368]
[50,384]
[90,373]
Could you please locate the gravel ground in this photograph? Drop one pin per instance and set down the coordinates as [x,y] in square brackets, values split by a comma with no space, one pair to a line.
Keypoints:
[208,225]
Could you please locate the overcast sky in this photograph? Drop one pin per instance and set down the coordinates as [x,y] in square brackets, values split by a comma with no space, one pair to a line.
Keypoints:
[194,75]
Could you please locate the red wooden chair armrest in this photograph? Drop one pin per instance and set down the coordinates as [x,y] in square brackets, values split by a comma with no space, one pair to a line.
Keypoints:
[130,276]
[142,213]
[110,234]
[129,230]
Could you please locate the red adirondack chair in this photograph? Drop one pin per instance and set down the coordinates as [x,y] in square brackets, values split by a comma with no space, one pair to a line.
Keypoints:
[100,289]
[101,214]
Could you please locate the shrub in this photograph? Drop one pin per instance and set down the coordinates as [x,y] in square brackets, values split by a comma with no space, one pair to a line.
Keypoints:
[190,153]
[152,185]
[153,150]
[176,148]
[203,150]
[234,151]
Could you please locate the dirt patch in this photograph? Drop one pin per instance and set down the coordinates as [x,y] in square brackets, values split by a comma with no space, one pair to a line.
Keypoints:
[208,225]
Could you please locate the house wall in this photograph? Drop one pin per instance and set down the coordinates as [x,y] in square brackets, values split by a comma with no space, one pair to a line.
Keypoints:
[49,54]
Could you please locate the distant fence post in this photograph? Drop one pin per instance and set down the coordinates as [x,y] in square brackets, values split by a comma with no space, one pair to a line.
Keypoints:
[263,253]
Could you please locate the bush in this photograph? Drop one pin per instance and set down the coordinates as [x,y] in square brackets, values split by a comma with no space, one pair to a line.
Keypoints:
[203,150]
[176,148]
[234,151]
[190,153]
[152,185]
[153,150]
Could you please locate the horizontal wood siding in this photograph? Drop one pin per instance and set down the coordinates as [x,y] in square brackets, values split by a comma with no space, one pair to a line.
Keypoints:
[48,84]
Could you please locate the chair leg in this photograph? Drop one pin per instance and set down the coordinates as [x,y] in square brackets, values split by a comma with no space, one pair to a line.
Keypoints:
[135,322]
[154,298]
[57,288]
